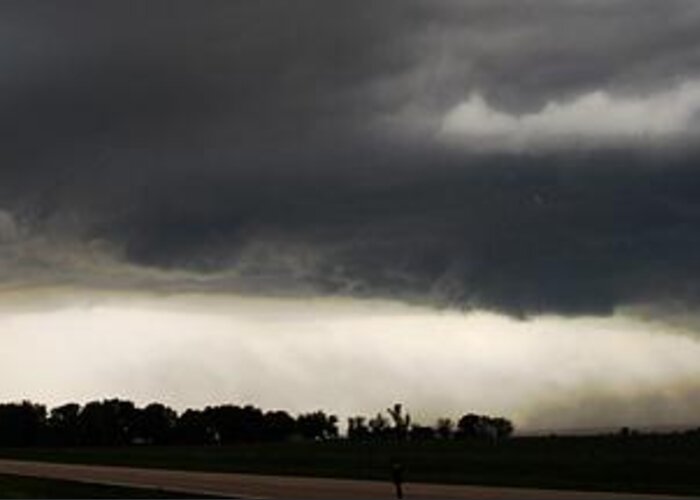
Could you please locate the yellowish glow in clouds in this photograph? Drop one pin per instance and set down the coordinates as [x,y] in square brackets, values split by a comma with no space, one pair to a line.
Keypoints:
[351,357]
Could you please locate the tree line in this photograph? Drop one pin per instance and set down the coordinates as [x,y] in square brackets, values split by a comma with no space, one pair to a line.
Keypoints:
[398,426]
[115,422]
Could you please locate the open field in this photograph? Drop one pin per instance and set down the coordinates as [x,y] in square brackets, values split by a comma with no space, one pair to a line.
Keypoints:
[30,487]
[648,464]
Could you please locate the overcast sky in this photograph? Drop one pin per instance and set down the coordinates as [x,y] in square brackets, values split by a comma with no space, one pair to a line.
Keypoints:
[533,162]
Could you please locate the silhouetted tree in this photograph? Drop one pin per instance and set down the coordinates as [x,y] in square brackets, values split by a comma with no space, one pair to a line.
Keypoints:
[193,427]
[317,425]
[504,427]
[379,426]
[22,424]
[472,426]
[357,428]
[278,426]
[252,424]
[233,424]
[155,424]
[469,426]
[108,422]
[444,428]
[401,421]
[63,425]
[421,433]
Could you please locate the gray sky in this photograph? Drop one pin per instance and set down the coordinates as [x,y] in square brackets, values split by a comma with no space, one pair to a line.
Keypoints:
[531,159]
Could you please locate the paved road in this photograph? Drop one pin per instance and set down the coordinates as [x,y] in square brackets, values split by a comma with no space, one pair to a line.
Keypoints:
[259,486]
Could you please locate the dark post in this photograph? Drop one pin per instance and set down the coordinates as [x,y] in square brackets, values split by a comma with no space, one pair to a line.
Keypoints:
[397,478]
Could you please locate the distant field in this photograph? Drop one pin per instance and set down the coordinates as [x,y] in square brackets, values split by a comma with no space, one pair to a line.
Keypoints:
[27,487]
[664,464]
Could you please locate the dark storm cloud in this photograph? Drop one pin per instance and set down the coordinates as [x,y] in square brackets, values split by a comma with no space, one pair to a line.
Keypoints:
[274,147]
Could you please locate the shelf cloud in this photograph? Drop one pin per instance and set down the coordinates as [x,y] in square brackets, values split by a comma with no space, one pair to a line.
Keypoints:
[527,160]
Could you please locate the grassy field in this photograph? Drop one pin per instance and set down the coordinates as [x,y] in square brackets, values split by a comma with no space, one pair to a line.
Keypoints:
[663,464]
[28,487]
